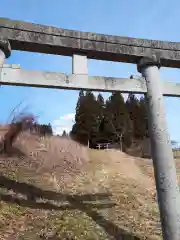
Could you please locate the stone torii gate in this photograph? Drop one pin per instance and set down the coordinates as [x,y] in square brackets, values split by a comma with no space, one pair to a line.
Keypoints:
[149,55]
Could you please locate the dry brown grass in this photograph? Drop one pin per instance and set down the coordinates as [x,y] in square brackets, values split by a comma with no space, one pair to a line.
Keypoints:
[11,131]
[69,192]
[132,190]
[58,157]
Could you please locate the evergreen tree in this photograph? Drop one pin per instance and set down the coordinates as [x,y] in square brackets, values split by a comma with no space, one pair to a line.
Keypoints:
[107,126]
[100,104]
[86,118]
[49,130]
[144,117]
[115,120]
[64,134]
[44,129]
[92,117]
[116,117]
[100,113]
[134,111]
[77,132]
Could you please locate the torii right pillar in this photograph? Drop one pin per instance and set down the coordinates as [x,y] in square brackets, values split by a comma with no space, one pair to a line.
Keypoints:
[161,150]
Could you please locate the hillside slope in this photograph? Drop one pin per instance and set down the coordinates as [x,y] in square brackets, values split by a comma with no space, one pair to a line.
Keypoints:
[53,188]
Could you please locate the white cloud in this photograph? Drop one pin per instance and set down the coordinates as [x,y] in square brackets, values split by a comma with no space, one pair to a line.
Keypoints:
[65,122]
[68,116]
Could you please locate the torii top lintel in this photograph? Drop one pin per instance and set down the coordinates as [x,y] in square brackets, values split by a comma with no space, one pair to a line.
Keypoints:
[32,37]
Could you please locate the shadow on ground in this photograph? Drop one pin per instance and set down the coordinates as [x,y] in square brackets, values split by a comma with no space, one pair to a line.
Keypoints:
[85,203]
[15,152]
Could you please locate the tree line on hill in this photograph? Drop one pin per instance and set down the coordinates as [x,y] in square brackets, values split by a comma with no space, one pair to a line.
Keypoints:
[41,129]
[115,120]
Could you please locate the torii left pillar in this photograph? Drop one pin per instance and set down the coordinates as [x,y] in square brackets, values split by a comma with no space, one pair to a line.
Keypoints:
[5,50]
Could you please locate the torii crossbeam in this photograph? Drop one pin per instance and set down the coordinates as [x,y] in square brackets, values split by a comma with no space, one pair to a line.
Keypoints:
[31,37]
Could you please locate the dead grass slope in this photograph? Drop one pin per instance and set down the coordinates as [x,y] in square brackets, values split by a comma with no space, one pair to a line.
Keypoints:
[53,188]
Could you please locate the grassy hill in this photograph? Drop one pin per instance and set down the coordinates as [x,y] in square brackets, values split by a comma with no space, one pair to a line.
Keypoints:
[53,188]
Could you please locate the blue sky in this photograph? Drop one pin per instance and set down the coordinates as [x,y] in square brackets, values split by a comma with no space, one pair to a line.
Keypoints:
[153,19]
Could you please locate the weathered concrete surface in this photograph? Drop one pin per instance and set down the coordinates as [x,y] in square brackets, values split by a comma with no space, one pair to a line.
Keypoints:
[13,75]
[46,39]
